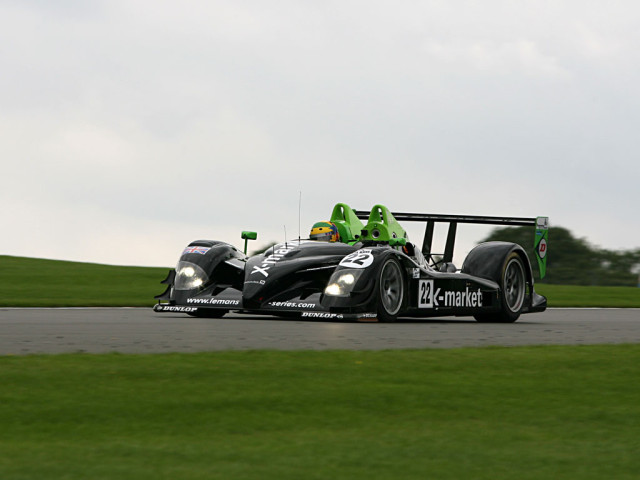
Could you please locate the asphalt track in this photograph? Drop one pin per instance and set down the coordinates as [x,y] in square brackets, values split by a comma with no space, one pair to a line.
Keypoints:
[139,330]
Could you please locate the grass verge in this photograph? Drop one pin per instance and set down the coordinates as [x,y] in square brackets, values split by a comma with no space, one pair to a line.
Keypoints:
[581,296]
[33,282]
[526,413]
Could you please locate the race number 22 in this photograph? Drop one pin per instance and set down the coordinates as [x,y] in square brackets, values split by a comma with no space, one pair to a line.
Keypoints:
[425,294]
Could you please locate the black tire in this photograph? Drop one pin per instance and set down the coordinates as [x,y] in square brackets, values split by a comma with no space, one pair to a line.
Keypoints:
[391,288]
[209,313]
[513,284]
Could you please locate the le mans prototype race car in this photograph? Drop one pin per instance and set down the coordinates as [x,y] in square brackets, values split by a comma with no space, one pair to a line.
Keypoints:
[366,272]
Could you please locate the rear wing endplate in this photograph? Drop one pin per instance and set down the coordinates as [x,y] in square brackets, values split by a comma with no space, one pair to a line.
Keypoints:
[540,243]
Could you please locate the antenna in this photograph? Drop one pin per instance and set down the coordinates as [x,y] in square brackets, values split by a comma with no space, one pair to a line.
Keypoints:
[299,213]
[285,236]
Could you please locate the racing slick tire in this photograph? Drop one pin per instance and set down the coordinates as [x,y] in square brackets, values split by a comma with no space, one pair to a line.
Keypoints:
[209,313]
[514,291]
[391,288]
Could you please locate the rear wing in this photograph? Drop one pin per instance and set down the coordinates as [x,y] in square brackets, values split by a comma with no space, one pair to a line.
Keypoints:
[540,223]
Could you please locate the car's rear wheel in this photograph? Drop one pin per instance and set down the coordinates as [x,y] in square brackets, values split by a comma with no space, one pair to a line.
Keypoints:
[513,285]
[390,291]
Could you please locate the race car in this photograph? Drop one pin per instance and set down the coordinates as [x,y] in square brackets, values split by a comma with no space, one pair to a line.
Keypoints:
[350,270]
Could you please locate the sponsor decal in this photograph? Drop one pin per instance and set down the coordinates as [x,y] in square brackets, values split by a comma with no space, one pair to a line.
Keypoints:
[278,252]
[200,250]
[415,272]
[322,315]
[542,223]
[359,259]
[213,301]
[259,282]
[174,308]
[542,248]
[431,297]
[291,305]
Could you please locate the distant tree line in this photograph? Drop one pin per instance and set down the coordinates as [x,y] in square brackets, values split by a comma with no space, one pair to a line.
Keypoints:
[573,261]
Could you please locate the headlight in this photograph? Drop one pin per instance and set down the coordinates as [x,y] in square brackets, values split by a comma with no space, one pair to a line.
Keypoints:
[342,282]
[189,276]
[334,289]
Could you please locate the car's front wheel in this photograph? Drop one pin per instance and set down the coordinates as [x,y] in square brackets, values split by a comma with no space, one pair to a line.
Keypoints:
[390,290]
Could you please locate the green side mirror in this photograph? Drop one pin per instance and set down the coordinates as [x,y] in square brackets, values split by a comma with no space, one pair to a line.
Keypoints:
[246,236]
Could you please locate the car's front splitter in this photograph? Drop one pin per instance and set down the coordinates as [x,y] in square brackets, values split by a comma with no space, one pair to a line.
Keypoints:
[286,310]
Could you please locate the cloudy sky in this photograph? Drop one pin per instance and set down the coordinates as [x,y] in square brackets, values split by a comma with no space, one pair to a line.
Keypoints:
[129,128]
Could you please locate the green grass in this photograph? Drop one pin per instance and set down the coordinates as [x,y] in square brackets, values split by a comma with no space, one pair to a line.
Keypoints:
[497,413]
[31,282]
[581,296]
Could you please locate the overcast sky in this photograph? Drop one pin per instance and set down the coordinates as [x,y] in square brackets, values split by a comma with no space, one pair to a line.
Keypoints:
[130,128]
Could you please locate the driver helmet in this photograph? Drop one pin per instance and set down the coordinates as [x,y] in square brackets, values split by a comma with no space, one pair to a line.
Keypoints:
[324,232]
